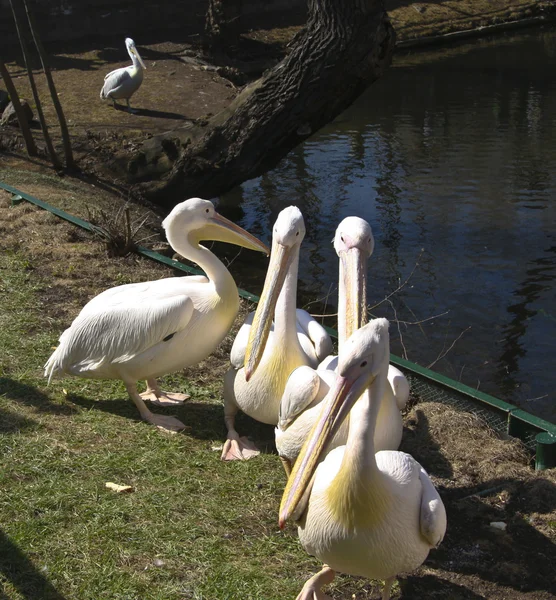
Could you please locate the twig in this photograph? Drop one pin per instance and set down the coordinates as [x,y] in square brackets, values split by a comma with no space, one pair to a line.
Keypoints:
[423,320]
[443,354]
[402,285]
[398,326]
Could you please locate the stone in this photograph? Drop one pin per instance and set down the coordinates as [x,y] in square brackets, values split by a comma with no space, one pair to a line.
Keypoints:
[9,117]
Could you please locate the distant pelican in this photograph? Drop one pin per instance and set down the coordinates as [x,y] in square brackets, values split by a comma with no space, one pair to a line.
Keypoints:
[361,513]
[123,83]
[305,389]
[271,351]
[145,330]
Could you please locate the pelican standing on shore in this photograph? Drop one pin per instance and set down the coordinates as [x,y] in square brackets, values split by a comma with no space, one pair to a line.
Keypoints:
[123,83]
[372,515]
[146,330]
[265,353]
[306,387]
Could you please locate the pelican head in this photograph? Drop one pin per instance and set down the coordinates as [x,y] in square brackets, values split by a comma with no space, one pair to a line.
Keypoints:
[132,50]
[287,235]
[354,243]
[198,219]
[363,356]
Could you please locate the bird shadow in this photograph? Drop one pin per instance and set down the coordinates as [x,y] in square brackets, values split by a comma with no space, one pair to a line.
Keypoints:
[418,441]
[520,556]
[11,422]
[22,574]
[31,396]
[202,420]
[147,112]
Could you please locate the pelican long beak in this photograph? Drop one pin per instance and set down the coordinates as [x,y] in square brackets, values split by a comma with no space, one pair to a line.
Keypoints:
[136,54]
[354,275]
[280,259]
[221,229]
[336,406]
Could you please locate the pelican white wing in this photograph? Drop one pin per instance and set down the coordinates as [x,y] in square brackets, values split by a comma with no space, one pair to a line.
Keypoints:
[312,336]
[121,83]
[433,513]
[103,335]
[321,344]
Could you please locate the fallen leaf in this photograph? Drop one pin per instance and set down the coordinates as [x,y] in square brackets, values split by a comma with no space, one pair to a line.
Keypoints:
[119,488]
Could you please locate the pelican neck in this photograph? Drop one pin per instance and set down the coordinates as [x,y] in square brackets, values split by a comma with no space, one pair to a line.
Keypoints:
[285,328]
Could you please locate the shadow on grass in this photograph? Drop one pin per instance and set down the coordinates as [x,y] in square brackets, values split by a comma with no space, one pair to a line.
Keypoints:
[11,422]
[31,396]
[17,569]
[203,421]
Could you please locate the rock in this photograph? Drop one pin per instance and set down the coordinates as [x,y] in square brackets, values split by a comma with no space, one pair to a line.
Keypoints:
[9,117]
[498,525]
[4,100]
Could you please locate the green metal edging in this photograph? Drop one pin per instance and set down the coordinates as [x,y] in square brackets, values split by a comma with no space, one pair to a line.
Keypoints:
[175,264]
[519,422]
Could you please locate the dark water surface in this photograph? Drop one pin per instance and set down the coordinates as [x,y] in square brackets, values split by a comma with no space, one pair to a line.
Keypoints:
[451,157]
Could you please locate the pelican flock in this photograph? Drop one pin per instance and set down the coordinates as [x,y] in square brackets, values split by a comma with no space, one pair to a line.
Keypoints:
[122,83]
[361,512]
[146,330]
[300,403]
[266,352]
[361,506]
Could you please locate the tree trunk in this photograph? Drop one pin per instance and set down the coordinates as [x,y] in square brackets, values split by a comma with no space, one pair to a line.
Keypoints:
[223,25]
[70,163]
[345,46]
[47,140]
[23,124]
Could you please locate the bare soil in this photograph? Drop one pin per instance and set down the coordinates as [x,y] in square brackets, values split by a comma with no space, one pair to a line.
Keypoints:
[180,88]
[481,477]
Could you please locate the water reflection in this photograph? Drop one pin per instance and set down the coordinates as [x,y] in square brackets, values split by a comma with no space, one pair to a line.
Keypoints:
[450,159]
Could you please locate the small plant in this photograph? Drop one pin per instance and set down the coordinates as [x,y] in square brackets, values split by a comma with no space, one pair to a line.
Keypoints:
[116,231]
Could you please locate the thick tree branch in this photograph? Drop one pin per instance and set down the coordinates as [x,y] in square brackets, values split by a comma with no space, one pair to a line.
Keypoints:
[346,45]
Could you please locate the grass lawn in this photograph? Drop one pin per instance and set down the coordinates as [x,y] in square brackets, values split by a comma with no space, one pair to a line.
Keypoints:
[194,527]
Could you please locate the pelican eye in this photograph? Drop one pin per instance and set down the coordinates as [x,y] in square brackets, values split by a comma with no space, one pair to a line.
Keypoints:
[207,210]
[363,364]
[297,234]
[342,238]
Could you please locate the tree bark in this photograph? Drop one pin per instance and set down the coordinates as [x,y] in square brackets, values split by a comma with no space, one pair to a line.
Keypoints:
[23,124]
[47,140]
[70,163]
[223,25]
[345,46]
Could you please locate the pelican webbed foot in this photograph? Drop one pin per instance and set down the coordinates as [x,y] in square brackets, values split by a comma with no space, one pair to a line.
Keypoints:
[165,422]
[312,588]
[157,396]
[170,424]
[238,448]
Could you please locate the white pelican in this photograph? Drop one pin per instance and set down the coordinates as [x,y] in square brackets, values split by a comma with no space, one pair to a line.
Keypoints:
[123,83]
[300,403]
[367,514]
[145,330]
[274,350]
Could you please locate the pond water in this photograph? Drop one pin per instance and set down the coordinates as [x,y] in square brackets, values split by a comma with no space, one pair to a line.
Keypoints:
[451,157]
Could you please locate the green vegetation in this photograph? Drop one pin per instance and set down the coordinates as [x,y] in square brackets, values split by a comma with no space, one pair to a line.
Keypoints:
[193,528]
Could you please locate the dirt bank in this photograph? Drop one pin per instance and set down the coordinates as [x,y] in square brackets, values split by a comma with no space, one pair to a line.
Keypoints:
[179,89]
